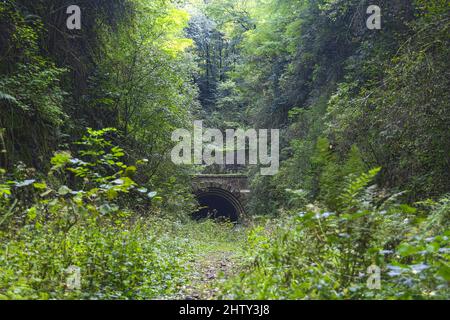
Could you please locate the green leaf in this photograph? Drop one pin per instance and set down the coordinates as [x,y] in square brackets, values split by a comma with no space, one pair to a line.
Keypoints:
[60,159]
[405,249]
[142,190]
[64,190]
[32,213]
[25,183]
[444,272]
[40,185]
[152,194]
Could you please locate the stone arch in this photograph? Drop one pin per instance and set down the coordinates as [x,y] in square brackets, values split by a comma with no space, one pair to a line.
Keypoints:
[215,197]
[228,193]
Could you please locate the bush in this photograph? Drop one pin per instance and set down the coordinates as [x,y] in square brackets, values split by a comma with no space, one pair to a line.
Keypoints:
[77,218]
[117,260]
[318,254]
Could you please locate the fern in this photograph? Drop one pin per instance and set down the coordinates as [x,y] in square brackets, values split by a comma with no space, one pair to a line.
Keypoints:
[13,101]
[7,97]
[349,196]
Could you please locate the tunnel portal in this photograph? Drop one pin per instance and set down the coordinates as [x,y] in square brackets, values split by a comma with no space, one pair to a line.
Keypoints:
[214,205]
[220,197]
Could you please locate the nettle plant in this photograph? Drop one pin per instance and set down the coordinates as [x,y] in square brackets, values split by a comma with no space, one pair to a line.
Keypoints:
[99,174]
[94,183]
[75,217]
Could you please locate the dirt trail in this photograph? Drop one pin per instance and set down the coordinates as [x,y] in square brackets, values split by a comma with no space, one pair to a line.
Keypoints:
[208,270]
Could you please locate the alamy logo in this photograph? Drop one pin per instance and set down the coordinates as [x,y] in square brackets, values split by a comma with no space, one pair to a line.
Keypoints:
[374,20]
[208,146]
[374,279]
[73,279]
[74,20]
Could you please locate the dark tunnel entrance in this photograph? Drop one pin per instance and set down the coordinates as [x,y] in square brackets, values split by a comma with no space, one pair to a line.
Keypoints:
[219,205]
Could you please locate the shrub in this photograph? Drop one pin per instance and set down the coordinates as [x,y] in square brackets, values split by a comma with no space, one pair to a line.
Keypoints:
[318,254]
[76,218]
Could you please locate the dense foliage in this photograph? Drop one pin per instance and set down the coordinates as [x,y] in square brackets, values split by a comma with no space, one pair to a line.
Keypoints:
[347,99]
[86,117]
[313,69]
[83,206]
[321,254]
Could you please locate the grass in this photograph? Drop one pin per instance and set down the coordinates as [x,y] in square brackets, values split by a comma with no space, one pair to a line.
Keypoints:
[215,256]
